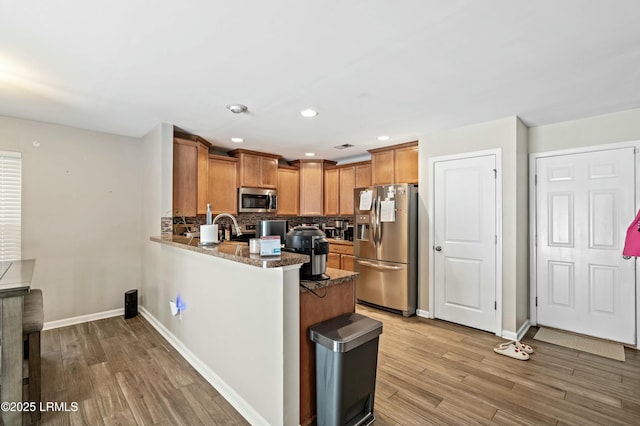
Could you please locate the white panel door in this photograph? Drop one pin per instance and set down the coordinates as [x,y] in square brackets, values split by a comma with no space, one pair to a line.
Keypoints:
[464,252]
[584,204]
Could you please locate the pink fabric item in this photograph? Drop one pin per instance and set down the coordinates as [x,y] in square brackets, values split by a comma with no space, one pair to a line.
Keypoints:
[632,242]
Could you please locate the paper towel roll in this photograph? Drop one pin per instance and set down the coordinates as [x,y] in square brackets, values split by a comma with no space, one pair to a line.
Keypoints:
[208,233]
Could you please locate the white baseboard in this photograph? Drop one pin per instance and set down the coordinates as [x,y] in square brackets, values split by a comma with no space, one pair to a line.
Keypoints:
[244,408]
[423,314]
[83,318]
[519,334]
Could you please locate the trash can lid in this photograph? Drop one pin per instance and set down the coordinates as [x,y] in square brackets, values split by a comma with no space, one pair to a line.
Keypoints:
[345,332]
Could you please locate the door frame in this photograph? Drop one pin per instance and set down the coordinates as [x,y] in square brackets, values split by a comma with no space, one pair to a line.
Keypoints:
[533,218]
[497,152]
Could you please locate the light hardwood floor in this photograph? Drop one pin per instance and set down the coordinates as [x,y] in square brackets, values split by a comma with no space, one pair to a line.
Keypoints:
[434,372]
[429,372]
[122,372]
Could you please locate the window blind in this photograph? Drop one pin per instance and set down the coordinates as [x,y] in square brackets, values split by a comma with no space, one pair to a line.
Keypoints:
[10,205]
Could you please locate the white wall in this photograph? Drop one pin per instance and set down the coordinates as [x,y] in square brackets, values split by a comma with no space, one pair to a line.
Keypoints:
[81,214]
[602,129]
[241,327]
[506,134]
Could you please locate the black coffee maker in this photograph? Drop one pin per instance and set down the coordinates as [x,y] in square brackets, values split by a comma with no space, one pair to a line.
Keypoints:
[311,241]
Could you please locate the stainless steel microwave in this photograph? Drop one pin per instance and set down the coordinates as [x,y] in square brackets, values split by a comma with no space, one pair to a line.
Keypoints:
[257,200]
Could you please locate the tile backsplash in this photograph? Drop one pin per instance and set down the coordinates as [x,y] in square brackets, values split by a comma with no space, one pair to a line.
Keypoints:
[252,218]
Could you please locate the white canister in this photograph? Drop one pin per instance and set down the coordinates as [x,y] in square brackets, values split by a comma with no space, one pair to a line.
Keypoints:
[208,234]
[254,246]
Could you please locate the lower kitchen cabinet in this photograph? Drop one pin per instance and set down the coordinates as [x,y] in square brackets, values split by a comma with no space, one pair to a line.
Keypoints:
[339,299]
[341,256]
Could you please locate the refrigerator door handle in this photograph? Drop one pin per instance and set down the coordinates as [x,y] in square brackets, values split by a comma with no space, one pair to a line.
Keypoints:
[376,222]
[372,221]
[379,266]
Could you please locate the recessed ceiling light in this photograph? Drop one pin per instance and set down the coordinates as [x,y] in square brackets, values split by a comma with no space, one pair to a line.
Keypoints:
[383,138]
[237,108]
[237,140]
[310,154]
[308,113]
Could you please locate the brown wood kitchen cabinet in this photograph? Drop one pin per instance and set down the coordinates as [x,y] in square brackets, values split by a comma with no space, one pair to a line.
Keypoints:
[222,193]
[311,185]
[256,169]
[190,175]
[339,183]
[363,174]
[395,164]
[288,191]
[331,191]
[347,178]
[341,256]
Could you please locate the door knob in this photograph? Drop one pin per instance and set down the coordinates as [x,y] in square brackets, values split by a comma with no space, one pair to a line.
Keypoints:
[438,248]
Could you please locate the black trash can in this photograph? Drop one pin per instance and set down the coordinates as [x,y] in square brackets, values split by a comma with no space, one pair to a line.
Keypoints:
[346,361]
[130,304]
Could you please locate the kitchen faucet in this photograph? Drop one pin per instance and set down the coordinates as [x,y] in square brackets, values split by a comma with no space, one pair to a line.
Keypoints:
[238,232]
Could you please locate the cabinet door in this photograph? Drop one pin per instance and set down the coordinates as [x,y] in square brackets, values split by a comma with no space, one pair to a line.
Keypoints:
[269,172]
[311,177]
[347,184]
[382,167]
[347,262]
[331,192]
[222,193]
[288,192]
[333,260]
[185,157]
[363,175]
[203,178]
[250,170]
[406,164]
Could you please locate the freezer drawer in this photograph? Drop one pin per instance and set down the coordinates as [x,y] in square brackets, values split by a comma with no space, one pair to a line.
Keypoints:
[385,284]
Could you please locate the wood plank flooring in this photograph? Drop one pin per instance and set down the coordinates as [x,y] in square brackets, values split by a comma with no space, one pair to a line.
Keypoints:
[434,372]
[429,372]
[122,372]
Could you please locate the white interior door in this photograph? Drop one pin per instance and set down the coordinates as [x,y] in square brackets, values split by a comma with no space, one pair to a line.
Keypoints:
[585,202]
[464,252]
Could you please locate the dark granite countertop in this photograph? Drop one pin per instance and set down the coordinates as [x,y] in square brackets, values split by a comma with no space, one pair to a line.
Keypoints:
[336,276]
[234,251]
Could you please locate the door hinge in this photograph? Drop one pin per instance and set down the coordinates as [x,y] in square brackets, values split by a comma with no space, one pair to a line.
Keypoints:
[536,300]
[495,240]
[495,173]
[535,179]
[495,305]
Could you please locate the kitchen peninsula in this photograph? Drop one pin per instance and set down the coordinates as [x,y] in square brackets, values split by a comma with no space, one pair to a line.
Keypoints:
[245,328]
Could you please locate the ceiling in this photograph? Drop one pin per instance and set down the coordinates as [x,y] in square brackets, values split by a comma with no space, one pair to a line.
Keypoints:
[369,67]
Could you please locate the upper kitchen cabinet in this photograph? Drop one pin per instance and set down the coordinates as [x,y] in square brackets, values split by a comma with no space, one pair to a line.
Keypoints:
[347,178]
[311,185]
[339,183]
[190,175]
[331,191]
[223,175]
[288,191]
[363,174]
[395,164]
[256,169]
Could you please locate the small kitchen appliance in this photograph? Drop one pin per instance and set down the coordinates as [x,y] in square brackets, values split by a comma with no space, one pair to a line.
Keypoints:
[311,241]
[257,200]
[272,227]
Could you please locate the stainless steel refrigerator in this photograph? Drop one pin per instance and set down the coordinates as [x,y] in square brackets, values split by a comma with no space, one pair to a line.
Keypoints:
[386,246]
